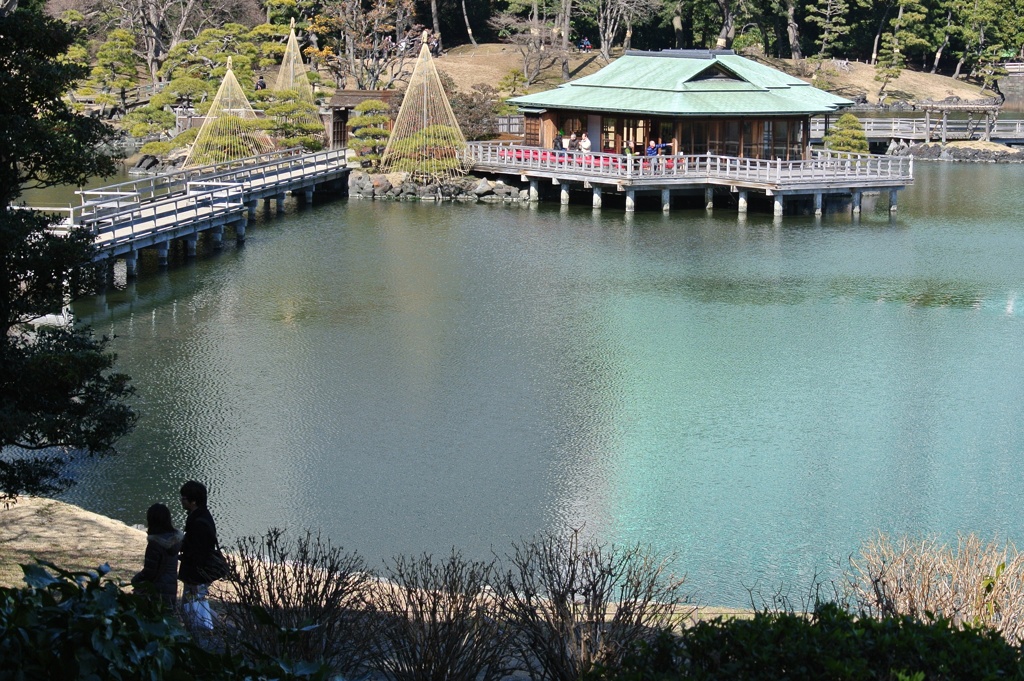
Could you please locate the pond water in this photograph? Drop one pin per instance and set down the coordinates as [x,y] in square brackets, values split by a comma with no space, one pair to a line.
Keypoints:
[757,397]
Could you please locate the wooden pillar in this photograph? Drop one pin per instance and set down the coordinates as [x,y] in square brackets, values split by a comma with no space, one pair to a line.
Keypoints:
[131,264]
[217,235]
[945,118]
[161,253]
[892,200]
[280,202]
[630,200]
[597,197]
[308,194]
[252,208]
[927,126]
[534,191]
[709,198]
[856,201]
[778,206]
[266,203]
[190,245]
[741,201]
[988,126]
[817,203]
[240,231]
[666,200]
[563,193]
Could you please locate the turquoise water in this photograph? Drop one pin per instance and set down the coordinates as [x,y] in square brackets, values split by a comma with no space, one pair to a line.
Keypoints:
[755,396]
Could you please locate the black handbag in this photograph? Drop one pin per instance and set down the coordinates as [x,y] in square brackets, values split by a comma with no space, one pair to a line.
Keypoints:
[217,567]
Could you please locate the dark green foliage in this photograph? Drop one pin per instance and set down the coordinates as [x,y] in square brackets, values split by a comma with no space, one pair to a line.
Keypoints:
[847,134]
[56,389]
[54,144]
[80,625]
[828,644]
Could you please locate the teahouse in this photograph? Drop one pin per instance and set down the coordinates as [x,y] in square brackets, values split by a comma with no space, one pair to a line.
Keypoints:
[692,101]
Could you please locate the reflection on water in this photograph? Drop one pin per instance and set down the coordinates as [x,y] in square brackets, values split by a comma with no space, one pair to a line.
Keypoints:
[753,395]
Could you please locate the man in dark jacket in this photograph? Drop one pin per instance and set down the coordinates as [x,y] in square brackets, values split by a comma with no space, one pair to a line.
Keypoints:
[196,553]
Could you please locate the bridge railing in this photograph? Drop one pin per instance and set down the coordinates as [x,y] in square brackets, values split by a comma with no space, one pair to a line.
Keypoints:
[823,166]
[96,203]
[202,200]
[306,165]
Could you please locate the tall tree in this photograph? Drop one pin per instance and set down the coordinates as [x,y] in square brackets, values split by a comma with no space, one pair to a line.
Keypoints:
[903,36]
[57,394]
[116,67]
[830,18]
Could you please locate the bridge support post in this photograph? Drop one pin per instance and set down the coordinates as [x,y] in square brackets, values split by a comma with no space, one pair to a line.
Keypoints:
[240,230]
[252,208]
[666,200]
[161,254]
[308,193]
[741,201]
[856,202]
[892,200]
[217,235]
[597,197]
[131,264]
[709,198]
[563,194]
[534,191]
[630,200]
[817,203]
[280,202]
[266,203]
[779,207]
[190,245]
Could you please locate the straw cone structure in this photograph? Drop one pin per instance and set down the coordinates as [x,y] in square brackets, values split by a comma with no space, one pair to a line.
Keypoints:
[426,141]
[231,129]
[292,75]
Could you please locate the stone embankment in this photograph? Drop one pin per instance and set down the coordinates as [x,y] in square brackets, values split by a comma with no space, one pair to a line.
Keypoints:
[399,187]
[965,153]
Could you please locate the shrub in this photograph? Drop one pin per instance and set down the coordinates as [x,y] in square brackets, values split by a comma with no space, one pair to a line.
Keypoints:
[80,625]
[442,622]
[576,606]
[830,643]
[847,134]
[317,592]
[369,133]
[972,584]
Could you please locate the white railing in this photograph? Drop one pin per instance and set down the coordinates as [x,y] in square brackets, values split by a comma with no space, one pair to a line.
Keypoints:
[262,169]
[822,167]
[914,128]
[203,201]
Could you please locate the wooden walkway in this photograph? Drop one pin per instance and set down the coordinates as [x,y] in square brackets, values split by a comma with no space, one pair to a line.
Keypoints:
[153,211]
[912,129]
[824,174]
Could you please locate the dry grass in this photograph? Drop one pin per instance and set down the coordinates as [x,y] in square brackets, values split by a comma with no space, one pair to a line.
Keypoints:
[972,583]
[68,536]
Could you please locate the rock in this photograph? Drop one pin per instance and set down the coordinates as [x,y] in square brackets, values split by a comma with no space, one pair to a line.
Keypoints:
[482,188]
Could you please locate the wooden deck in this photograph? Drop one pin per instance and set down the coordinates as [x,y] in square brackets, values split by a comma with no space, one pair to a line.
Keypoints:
[918,129]
[825,173]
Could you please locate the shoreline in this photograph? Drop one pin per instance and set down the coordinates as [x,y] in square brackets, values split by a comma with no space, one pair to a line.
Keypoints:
[76,539]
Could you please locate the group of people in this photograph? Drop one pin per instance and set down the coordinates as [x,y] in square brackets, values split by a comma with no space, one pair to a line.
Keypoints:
[654,148]
[582,143]
[174,556]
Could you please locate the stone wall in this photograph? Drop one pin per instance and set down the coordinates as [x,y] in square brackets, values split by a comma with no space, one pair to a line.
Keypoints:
[937,152]
[398,187]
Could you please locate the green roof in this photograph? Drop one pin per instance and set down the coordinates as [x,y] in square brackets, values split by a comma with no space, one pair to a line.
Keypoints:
[687,83]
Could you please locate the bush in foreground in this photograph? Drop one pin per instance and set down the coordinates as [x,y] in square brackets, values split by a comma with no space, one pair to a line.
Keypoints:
[80,625]
[830,643]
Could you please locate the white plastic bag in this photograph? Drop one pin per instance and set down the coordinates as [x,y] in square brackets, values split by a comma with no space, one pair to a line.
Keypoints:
[197,614]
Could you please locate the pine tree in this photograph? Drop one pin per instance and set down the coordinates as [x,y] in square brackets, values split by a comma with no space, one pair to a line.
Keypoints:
[369,135]
[847,134]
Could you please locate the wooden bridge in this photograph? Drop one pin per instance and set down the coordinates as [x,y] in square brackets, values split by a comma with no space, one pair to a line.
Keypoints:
[926,129]
[154,211]
[825,174]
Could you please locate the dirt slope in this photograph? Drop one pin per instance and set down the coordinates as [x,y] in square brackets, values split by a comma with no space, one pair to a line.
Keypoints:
[488,63]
